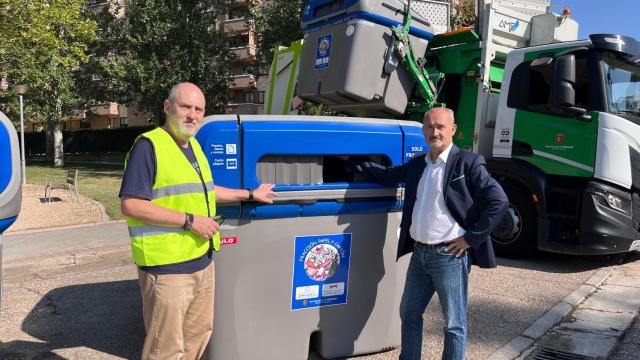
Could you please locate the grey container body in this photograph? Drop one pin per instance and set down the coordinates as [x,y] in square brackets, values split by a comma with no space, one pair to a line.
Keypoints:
[354,82]
[253,319]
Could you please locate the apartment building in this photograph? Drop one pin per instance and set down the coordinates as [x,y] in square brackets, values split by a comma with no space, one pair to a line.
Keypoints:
[246,91]
[109,115]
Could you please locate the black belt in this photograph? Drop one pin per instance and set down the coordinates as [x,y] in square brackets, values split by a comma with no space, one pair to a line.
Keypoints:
[429,246]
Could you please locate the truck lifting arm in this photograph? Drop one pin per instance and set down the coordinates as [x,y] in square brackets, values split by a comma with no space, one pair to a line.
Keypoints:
[402,47]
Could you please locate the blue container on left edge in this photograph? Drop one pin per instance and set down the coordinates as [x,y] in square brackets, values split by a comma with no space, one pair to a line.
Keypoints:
[10,174]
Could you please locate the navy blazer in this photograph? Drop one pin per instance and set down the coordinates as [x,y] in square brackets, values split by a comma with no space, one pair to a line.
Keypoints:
[475,200]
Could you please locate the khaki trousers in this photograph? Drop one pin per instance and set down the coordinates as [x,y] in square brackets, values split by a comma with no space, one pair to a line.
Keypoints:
[178,314]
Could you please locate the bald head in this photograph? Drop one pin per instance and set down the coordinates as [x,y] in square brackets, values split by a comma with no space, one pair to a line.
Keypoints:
[440,112]
[183,87]
[438,128]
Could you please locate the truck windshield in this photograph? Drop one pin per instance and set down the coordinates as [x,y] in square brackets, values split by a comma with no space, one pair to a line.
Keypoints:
[623,85]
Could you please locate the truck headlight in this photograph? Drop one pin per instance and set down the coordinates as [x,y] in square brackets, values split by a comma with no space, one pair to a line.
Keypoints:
[614,201]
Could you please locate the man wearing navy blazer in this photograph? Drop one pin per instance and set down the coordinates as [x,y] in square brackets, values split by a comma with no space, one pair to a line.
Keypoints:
[451,205]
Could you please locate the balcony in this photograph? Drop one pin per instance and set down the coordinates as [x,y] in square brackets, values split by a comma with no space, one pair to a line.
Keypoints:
[106,109]
[235,25]
[244,81]
[78,114]
[244,52]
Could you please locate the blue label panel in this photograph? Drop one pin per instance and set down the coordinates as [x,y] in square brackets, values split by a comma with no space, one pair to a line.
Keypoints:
[323,51]
[320,270]
[6,166]
[220,142]
[414,142]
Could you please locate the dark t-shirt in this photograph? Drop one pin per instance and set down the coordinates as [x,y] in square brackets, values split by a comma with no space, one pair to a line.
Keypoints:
[138,180]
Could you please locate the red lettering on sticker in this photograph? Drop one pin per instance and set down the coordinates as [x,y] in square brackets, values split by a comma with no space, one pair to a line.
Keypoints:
[229,240]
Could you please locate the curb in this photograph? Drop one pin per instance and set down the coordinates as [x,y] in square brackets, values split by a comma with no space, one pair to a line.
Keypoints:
[104,217]
[69,259]
[59,228]
[521,346]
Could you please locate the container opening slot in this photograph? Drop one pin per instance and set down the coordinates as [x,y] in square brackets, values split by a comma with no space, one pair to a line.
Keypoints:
[310,169]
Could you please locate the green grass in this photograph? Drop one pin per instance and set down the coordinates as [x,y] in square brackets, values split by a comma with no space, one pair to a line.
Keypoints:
[101,182]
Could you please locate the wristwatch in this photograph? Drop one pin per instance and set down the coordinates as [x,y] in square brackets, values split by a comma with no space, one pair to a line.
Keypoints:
[250,194]
[188,221]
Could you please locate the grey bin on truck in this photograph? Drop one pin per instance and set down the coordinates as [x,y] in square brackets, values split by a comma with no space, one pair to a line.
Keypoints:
[345,50]
[317,269]
[10,179]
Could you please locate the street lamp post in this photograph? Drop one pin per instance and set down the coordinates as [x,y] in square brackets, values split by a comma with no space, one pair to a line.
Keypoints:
[21,90]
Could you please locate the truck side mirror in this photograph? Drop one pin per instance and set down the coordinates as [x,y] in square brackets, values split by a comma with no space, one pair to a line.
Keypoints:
[564,80]
[563,93]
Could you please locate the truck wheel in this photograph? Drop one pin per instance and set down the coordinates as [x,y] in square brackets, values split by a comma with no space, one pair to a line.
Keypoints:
[515,236]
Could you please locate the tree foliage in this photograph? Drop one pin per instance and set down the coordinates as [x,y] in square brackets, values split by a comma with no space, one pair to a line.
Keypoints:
[103,77]
[165,42]
[275,23]
[462,14]
[42,42]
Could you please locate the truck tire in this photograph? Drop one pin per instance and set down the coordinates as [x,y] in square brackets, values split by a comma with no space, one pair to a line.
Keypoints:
[516,235]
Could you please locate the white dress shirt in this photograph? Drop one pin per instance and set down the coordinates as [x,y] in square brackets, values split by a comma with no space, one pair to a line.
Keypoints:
[431,221]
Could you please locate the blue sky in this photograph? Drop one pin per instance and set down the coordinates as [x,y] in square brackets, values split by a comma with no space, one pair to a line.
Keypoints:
[597,16]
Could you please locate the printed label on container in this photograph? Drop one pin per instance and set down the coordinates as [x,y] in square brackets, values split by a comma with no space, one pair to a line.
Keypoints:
[320,261]
[228,240]
[323,51]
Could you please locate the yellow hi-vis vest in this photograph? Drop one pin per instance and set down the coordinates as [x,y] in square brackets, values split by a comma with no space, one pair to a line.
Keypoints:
[178,187]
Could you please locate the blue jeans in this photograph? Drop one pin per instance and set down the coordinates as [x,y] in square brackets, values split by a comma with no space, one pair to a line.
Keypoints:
[432,269]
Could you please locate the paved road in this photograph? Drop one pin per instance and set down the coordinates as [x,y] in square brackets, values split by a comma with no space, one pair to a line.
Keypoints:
[92,311]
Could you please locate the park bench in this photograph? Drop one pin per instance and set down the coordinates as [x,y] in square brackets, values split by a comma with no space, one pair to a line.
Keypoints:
[70,183]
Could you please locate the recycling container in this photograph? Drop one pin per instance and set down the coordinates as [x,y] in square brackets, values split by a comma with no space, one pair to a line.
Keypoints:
[317,268]
[346,47]
[10,179]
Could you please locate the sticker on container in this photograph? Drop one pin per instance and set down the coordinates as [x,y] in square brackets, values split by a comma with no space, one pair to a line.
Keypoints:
[231,149]
[323,51]
[228,240]
[320,270]
[505,135]
[350,30]
[232,164]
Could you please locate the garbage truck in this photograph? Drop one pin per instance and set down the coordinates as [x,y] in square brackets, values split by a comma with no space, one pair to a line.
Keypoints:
[10,180]
[558,119]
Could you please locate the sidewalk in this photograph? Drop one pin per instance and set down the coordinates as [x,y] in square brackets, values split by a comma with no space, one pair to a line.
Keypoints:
[72,245]
[590,323]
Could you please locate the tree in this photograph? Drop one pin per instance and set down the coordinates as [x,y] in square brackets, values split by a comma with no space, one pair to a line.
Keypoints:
[103,77]
[166,42]
[462,14]
[43,41]
[274,23]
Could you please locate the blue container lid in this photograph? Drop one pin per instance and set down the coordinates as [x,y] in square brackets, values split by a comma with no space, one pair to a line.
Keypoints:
[316,9]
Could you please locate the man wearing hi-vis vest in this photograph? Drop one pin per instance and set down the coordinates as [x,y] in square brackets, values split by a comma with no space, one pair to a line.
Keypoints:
[169,199]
